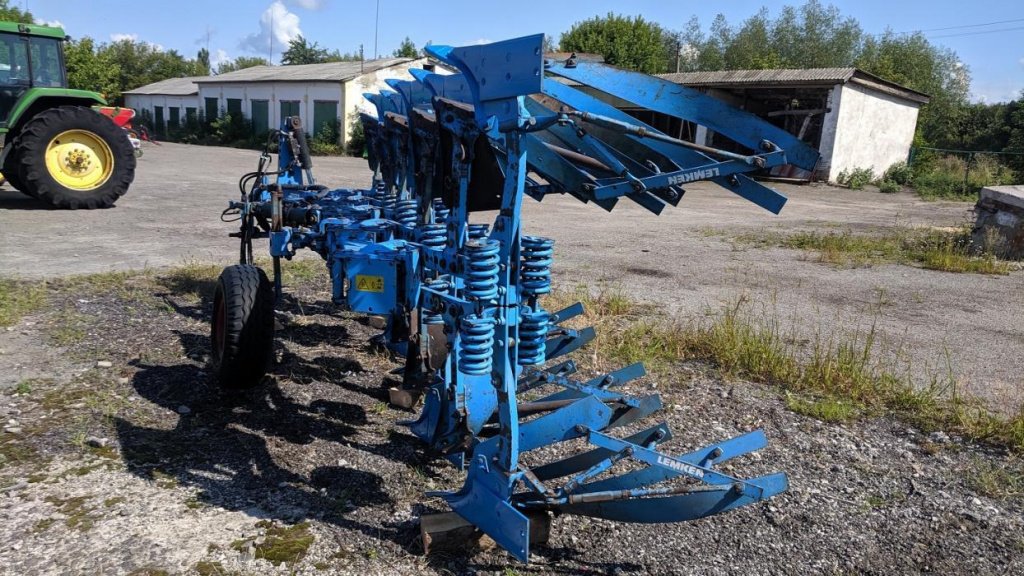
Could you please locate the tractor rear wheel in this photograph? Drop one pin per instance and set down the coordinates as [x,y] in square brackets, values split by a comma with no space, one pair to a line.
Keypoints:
[10,174]
[242,328]
[74,157]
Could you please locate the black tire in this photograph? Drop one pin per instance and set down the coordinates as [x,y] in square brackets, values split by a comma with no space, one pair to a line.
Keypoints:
[242,327]
[11,170]
[31,149]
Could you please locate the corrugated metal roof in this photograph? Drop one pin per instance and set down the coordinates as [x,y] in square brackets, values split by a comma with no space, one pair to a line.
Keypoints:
[327,72]
[823,75]
[170,87]
[790,77]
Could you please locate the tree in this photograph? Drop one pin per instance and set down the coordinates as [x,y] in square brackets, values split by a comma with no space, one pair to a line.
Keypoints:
[14,14]
[912,61]
[90,69]
[300,51]
[202,63]
[138,63]
[626,42]
[240,63]
[407,49]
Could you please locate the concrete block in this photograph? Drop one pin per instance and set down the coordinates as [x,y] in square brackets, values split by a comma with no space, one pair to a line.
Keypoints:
[999,228]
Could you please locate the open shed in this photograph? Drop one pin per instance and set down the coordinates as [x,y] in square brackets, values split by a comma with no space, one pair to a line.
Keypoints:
[855,119]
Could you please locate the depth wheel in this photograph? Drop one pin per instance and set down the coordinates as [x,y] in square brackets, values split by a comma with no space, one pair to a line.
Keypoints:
[242,327]
[74,157]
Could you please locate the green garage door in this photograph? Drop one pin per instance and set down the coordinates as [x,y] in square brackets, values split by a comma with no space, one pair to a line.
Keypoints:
[235,107]
[158,121]
[289,108]
[212,110]
[325,115]
[260,116]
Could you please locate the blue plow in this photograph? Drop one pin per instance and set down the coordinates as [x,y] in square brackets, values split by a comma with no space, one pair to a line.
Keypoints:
[463,297]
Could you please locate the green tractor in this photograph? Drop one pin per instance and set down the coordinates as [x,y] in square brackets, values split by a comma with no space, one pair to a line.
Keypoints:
[56,147]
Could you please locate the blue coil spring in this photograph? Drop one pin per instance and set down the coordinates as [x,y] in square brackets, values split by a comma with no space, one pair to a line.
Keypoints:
[387,204]
[405,212]
[533,332]
[433,235]
[434,316]
[476,342]
[478,231]
[441,211]
[482,273]
[537,255]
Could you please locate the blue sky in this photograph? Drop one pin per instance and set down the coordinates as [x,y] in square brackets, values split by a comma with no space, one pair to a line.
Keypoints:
[994,53]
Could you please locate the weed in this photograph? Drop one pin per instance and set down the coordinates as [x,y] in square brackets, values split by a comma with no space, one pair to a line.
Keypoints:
[944,250]
[69,327]
[76,510]
[206,568]
[856,178]
[1000,481]
[899,173]
[192,279]
[284,543]
[19,299]
[111,502]
[889,187]
[824,409]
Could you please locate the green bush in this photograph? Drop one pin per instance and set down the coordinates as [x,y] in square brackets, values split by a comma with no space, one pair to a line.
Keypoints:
[944,177]
[899,173]
[889,186]
[325,141]
[356,144]
[857,178]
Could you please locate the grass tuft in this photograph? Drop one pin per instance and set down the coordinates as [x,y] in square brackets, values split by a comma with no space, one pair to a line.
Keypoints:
[833,377]
[19,299]
[934,249]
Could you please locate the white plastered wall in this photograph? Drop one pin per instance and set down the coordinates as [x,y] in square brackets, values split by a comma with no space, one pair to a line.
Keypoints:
[305,93]
[872,130]
[372,82]
[140,102]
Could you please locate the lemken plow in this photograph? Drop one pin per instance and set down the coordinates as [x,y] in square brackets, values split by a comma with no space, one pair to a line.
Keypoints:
[462,298]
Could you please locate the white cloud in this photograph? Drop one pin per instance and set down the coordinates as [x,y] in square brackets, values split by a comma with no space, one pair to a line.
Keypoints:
[54,23]
[219,57]
[482,41]
[276,22]
[117,37]
[1021,61]
[309,4]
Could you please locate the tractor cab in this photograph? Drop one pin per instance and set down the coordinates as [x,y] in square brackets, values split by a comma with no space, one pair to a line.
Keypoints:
[30,57]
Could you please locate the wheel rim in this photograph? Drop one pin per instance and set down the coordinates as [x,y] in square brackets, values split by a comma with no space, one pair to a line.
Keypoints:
[79,160]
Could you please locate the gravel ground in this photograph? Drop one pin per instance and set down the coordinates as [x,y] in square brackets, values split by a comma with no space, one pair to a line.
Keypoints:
[960,326]
[142,466]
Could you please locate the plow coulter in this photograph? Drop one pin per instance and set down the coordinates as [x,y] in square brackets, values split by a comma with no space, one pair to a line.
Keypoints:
[435,247]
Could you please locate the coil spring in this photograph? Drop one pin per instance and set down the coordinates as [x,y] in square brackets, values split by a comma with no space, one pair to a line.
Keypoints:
[441,211]
[476,343]
[533,332]
[537,255]
[405,212]
[433,235]
[482,276]
[387,205]
[478,231]
[434,316]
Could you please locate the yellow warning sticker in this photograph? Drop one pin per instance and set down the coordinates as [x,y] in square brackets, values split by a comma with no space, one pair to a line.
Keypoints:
[369,283]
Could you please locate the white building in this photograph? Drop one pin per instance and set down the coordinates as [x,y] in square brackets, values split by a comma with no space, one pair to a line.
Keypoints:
[855,119]
[170,100]
[318,93]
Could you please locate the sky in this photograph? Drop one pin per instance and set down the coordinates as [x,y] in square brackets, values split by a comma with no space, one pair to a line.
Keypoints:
[988,35]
